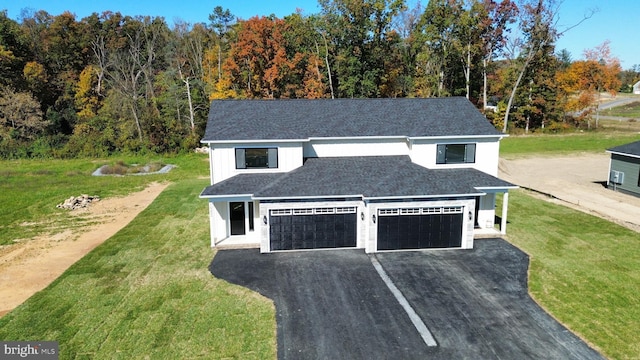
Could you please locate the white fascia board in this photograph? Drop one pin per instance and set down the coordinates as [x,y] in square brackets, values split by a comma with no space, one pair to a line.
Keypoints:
[308,197]
[262,141]
[243,142]
[623,154]
[424,196]
[227,197]
[359,138]
[497,188]
[459,137]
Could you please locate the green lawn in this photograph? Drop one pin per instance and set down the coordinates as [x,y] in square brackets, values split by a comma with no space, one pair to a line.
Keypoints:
[525,145]
[31,189]
[146,293]
[584,270]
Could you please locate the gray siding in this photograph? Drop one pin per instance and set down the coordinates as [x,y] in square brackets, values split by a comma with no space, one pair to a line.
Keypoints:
[631,169]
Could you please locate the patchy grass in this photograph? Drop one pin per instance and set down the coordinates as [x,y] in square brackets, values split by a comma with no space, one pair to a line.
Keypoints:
[31,189]
[584,270]
[629,126]
[146,293]
[595,142]
[631,110]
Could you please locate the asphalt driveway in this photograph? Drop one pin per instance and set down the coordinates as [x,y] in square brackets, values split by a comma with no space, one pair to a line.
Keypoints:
[332,304]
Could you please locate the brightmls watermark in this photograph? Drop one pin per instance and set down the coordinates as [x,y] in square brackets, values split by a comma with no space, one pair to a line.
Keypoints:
[32,350]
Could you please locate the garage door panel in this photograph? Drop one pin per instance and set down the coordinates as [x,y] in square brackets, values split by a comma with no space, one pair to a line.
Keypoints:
[410,231]
[413,232]
[456,230]
[313,231]
[388,237]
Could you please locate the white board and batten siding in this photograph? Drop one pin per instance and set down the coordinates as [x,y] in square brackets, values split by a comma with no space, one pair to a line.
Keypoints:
[423,152]
[222,159]
[220,226]
[487,211]
[292,154]
[356,147]
[218,219]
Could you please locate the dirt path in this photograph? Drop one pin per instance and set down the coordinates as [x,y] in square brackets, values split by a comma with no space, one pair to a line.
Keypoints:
[576,181]
[28,267]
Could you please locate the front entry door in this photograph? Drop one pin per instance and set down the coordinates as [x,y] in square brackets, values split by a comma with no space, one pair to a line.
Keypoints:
[237,215]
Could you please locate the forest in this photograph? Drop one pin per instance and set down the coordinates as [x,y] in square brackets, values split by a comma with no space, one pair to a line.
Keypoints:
[113,83]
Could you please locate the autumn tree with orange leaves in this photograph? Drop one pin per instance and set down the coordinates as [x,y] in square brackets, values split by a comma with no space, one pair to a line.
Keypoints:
[259,63]
[584,81]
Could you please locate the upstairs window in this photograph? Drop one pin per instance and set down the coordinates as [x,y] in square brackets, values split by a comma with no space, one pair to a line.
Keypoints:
[456,154]
[256,158]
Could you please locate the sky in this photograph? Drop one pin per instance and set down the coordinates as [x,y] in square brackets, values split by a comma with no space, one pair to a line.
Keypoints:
[613,20]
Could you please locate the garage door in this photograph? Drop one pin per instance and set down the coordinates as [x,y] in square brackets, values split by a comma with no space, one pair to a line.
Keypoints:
[292,229]
[420,228]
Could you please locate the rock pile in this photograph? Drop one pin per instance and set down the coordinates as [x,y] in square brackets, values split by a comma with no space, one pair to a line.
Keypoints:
[78,202]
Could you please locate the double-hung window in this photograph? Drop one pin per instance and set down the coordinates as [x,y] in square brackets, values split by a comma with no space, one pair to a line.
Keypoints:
[256,158]
[456,154]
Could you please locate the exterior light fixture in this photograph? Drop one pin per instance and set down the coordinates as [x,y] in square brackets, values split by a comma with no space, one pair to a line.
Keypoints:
[470,216]
[264,219]
[362,215]
[373,217]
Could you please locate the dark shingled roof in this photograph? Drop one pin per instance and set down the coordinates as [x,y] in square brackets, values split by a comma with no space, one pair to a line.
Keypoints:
[237,120]
[369,176]
[243,184]
[632,149]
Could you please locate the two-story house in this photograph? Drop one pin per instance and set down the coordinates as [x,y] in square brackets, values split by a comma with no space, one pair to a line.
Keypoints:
[376,174]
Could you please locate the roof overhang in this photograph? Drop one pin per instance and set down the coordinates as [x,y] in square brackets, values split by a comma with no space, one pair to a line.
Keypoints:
[456,137]
[495,189]
[394,137]
[230,197]
[259,141]
[624,154]
[414,197]
[315,197]
[373,178]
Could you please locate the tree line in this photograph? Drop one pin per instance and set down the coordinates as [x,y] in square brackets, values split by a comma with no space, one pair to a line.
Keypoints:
[112,83]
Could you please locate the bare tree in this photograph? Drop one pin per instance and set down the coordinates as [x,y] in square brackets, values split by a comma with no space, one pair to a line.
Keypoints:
[130,68]
[326,60]
[539,26]
[100,53]
[188,61]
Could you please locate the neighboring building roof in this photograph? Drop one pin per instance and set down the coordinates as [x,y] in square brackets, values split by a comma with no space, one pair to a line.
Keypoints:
[631,149]
[371,177]
[247,120]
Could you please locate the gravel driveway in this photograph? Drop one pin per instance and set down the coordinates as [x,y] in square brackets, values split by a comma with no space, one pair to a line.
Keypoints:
[577,181]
